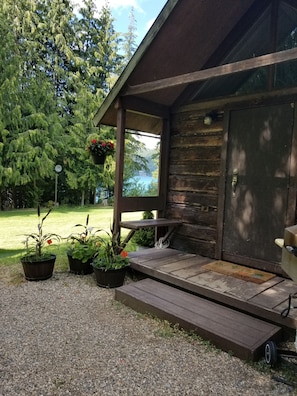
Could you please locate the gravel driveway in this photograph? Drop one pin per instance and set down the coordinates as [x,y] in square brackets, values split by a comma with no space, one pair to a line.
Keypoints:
[66,336]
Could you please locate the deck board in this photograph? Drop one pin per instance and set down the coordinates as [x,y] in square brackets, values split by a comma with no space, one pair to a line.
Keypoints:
[229,330]
[244,292]
[187,272]
[185,263]
[265,301]
[218,282]
[250,290]
[273,297]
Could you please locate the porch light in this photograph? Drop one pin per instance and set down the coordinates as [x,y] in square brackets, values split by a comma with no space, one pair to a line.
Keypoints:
[211,117]
[207,120]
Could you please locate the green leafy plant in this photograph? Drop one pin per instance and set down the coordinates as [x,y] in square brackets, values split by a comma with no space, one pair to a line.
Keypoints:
[101,147]
[85,244]
[36,242]
[146,236]
[110,254]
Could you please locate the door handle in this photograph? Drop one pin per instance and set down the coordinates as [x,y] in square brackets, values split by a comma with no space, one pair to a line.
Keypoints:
[234,181]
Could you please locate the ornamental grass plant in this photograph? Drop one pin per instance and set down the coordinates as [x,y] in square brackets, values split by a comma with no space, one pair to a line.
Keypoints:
[36,243]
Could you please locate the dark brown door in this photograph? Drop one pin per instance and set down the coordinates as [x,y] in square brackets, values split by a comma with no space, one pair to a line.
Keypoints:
[256,201]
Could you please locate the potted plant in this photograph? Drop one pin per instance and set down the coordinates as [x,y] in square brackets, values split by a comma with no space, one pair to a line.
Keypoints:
[99,149]
[82,249]
[38,264]
[145,238]
[110,262]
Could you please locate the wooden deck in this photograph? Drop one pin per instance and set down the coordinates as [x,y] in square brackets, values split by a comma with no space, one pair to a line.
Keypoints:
[185,271]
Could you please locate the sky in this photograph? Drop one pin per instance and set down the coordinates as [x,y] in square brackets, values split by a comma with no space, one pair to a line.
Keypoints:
[145,12]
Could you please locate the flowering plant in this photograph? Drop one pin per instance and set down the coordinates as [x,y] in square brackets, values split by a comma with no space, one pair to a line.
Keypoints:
[39,240]
[84,245]
[100,147]
[110,254]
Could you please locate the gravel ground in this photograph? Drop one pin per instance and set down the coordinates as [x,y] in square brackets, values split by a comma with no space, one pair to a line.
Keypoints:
[66,336]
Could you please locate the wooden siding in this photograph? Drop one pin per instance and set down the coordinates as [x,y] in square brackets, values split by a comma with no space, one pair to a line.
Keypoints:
[193,184]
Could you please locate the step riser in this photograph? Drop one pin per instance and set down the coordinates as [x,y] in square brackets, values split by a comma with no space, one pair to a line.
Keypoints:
[227,329]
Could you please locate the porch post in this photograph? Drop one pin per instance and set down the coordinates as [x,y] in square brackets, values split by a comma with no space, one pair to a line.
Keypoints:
[119,171]
[164,164]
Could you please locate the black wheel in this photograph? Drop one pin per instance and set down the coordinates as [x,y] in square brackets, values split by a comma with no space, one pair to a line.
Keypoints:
[270,353]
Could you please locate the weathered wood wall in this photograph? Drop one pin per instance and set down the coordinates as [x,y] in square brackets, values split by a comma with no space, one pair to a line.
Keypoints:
[194,173]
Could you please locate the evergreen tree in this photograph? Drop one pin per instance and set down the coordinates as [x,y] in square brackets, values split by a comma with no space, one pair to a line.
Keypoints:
[28,115]
[97,49]
[56,69]
[129,45]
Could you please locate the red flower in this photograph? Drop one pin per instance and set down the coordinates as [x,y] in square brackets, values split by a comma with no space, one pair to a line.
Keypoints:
[101,147]
[49,241]
[124,254]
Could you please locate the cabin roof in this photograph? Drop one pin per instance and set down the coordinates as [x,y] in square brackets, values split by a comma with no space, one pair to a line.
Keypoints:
[188,36]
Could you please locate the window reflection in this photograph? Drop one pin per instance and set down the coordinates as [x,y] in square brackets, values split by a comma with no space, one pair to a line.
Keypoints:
[141,164]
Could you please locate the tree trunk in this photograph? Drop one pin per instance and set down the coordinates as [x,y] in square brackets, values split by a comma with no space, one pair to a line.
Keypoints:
[82,199]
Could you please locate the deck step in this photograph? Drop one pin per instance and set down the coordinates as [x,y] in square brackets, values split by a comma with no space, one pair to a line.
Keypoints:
[229,330]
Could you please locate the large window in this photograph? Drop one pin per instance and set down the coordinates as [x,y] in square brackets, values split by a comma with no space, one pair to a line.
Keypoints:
[141,165]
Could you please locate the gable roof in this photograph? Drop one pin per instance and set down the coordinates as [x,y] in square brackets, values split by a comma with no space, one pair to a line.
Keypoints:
[188,36]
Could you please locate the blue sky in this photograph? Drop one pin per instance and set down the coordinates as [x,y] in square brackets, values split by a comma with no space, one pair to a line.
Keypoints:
[145,12]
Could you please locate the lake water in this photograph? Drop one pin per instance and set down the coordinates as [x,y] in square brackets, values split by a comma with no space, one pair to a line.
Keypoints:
[145,180]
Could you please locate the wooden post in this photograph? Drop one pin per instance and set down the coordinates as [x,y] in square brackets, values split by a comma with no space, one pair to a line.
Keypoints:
[163,165]
[120,152]
[163,170]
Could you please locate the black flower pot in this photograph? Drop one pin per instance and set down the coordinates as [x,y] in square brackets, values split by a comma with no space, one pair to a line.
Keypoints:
[77,267]
[38,270]
[98,159]
[110,278]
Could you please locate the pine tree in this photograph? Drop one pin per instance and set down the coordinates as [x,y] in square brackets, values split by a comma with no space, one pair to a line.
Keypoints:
[130,37]
[56,69]
[97,49]
[28,117]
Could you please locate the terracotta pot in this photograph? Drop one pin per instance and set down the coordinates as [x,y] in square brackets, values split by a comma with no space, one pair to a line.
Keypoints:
[38,270]
[98,159]
[110,278]
[77,267]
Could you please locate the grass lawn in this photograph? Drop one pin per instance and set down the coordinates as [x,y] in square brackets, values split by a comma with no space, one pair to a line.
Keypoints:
[15,224]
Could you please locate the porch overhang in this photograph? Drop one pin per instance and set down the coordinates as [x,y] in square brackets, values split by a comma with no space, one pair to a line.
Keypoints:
[146,115]
[168,52]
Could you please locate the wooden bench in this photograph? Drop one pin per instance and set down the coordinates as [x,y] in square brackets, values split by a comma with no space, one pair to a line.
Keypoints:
[136,225]
[226,328]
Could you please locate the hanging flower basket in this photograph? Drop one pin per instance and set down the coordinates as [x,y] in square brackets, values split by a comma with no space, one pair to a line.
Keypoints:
[99,149]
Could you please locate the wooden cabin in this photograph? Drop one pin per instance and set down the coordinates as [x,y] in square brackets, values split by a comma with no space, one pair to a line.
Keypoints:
[217,81]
